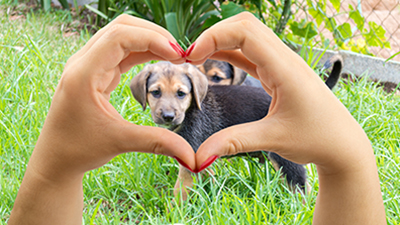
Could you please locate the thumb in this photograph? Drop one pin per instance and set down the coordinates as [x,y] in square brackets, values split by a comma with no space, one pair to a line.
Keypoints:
[263,135]
[135,138]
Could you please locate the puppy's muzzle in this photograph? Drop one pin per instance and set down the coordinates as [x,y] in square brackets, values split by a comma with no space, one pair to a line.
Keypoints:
[168,116]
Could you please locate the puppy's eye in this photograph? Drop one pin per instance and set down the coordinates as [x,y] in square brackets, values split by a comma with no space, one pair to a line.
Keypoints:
[156,93]
[216,78]
[181,94]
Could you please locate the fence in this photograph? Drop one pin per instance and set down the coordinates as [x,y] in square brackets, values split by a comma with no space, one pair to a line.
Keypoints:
[385,13]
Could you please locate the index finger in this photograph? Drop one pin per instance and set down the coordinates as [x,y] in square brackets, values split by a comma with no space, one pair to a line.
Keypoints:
[103,59]
[123,20]
[275,62]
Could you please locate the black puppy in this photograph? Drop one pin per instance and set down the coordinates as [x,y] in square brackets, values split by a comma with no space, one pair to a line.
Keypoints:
[223,73]
[180,98]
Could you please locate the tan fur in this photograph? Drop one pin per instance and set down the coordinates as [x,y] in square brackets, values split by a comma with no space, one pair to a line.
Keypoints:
[213,68]
[169,88]
[168,79]
[217,71]
[201,68]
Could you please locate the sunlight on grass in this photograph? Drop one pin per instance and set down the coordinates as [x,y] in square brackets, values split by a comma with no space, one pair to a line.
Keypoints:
[136,187]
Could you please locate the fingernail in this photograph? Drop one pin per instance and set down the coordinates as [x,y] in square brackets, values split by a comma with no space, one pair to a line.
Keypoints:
[188,61]
[177,49]
[190,49]
[183,52]
[183,164]
[207,163]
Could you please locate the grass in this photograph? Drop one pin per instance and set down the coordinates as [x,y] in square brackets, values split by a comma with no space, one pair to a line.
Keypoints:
[137,188]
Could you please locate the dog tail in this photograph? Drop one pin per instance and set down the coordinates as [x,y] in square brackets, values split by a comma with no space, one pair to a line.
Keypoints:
[337,62]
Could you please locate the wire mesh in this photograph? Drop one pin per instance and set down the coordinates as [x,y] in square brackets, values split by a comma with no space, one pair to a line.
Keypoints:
[384,13]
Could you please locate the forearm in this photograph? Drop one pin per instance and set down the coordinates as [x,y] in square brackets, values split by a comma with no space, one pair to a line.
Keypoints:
[43,201]
[350,197]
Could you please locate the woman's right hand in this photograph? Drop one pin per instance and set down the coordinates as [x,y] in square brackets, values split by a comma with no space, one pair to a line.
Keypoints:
[306,123]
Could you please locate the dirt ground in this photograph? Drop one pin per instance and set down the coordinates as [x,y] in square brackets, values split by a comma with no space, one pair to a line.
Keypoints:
[383,12]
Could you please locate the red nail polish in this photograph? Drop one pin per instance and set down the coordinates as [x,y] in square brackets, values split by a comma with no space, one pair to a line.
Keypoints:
[190,49]
[177,49]
[183,52]
[207,163]
[183,164]
[188,61]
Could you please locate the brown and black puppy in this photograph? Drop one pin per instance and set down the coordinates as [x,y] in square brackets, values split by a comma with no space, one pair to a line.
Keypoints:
[223,73]
[180,98]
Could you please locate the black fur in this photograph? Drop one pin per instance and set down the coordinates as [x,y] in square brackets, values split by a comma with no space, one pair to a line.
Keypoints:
[225,106]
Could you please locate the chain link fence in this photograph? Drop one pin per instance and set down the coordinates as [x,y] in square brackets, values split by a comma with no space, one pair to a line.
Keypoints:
[384,13]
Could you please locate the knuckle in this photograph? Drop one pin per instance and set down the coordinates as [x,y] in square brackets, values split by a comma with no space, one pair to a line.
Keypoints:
[234,147]
[246,15]
[122,18]
[113,31]
[247,24]
[158,148]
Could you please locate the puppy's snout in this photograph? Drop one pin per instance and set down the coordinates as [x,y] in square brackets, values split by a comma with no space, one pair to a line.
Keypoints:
[168,116]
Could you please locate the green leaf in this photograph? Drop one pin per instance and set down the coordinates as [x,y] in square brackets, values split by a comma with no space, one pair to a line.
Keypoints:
[356,16]
[134,13]
[213,19]
[379,31]
[330,24]
[345,30]
[305,30]
[96,11]
[46,5]
[316,15]
[230,9]
[64,4]
[95,211]
[173,25]
[387,45]
[336,4]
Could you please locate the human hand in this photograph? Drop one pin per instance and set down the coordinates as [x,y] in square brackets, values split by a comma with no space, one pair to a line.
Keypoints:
[306,123]
[304,114]
[83,131]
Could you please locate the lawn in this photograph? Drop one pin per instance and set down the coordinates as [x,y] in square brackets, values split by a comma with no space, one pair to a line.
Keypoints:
[136,188]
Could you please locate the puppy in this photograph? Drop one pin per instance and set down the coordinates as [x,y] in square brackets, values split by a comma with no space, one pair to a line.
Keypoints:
[179,97]
[223,73]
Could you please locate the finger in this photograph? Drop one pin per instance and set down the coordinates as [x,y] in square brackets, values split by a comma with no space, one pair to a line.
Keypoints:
[124,20]
[121,40]
[229,34]
[134,138]
[258,44]
[264,135]
[138,58]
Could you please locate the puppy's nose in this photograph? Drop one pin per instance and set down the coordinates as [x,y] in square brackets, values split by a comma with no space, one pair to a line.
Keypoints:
[168,116]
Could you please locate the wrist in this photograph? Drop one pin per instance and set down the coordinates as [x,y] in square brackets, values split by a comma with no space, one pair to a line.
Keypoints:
[44,200]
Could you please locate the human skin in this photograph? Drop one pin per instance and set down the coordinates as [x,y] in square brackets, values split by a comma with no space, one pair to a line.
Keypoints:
[83,131]
[306,122]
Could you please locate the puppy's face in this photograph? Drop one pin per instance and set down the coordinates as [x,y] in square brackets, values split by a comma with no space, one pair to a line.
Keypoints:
[168,96]
[222,73]
[169,90]
[217,72]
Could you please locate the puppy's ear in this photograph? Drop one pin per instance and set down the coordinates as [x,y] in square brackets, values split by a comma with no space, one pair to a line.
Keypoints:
[199,83]
[138,85]
[239,76]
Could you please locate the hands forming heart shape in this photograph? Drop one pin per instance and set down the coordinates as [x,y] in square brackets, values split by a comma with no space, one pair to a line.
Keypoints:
[306,122]
[304,114]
